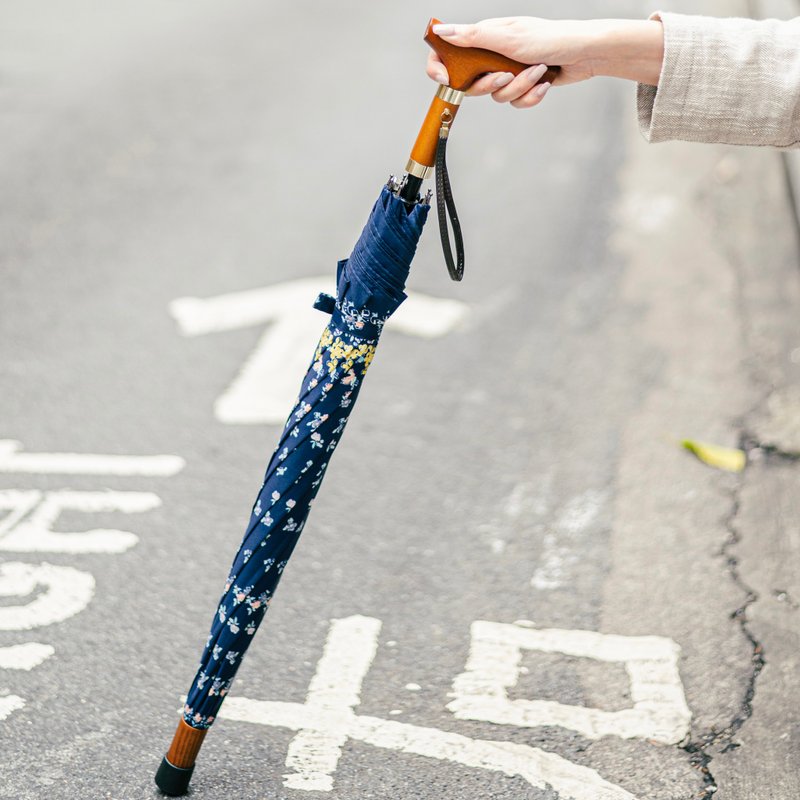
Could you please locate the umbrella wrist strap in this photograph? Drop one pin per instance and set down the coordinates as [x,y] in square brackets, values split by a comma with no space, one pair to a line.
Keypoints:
[447,209]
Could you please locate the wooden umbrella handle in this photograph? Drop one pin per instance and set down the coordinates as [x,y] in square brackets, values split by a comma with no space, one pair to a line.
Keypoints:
[464,66]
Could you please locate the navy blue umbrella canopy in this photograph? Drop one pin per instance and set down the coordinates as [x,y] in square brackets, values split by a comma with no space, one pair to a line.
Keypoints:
[370,287]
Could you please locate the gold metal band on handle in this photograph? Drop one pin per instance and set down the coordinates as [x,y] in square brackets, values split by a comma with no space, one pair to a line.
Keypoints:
[450,95]
[418,170]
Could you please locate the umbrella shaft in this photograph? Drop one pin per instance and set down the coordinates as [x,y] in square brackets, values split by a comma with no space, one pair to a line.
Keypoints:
[410,188]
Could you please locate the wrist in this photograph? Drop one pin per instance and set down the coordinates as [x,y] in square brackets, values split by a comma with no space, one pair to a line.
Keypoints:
[631,49]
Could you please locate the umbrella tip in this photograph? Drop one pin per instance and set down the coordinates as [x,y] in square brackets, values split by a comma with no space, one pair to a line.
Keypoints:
[172,780]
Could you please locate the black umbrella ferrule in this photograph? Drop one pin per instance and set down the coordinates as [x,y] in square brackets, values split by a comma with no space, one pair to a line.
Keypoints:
[173,781]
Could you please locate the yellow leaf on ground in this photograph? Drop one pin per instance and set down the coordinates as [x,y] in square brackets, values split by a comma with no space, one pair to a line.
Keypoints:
[727,458]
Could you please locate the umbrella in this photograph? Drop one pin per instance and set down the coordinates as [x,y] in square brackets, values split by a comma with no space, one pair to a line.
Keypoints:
[369,288]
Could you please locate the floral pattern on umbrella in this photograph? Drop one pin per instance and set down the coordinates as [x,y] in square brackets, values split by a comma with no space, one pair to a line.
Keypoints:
[370,287]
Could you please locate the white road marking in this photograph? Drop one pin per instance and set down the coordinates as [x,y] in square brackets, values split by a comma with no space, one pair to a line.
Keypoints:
[561,549]
[68,592]
[24,656]
[9,704]
[35,533]
[327,720]
[58,593]
[18,503]
[267,383]
[334,689]
[537,767]
[647,212]
[11,460]
[659,711]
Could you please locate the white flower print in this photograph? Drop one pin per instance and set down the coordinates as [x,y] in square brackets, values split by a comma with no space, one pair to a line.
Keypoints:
[355,317]
[240,595]
[318,420]
[220,687]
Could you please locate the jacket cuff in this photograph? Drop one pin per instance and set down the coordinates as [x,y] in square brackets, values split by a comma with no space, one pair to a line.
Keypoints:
[727,81]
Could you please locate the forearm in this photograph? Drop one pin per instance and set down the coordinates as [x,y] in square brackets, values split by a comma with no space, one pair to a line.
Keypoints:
[632,49]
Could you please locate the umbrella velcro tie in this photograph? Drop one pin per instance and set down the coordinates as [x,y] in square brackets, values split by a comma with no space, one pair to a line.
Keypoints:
[446,205]
[325,303]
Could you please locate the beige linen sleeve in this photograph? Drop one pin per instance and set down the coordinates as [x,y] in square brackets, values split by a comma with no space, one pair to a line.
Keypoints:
[734,81]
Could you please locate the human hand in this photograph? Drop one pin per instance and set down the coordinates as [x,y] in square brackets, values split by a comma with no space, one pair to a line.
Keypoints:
[582,48]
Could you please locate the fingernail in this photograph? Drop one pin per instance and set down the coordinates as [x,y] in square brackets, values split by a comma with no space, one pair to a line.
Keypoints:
[441,77]
[444,30]
[503,79]
[535,73]
[541,89]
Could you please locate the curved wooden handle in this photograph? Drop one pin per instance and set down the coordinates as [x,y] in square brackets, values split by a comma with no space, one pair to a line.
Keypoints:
[466,64]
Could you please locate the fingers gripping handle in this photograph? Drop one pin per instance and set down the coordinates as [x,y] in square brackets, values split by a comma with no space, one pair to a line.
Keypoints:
[464,66]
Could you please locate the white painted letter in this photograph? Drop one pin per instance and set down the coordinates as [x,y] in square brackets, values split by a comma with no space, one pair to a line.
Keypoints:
[36,534]
[69,591]
[11,460]
[268,381]
[659,709]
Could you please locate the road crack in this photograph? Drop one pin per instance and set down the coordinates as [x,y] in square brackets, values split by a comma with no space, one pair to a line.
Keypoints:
[701,750]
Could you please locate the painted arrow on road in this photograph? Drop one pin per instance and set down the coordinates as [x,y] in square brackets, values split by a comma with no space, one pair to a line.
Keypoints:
[266,385]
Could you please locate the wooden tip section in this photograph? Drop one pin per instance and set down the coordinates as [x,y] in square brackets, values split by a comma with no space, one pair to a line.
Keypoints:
[186,744]
[466,64]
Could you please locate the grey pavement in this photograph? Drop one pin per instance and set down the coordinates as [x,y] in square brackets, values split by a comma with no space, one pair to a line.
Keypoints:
[523,469]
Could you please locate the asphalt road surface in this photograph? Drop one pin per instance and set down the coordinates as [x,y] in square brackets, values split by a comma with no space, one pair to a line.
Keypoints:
[550,598]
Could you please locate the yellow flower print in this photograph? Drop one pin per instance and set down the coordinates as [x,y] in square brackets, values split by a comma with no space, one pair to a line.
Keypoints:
[341,355]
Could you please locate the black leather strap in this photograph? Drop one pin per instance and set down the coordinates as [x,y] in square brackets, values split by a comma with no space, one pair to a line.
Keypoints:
[447,207]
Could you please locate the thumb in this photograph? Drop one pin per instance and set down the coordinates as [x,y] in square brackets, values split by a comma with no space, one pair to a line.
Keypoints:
[490,34]
[462,35]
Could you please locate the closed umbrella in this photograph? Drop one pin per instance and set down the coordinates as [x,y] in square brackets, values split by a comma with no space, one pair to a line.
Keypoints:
[369,288]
